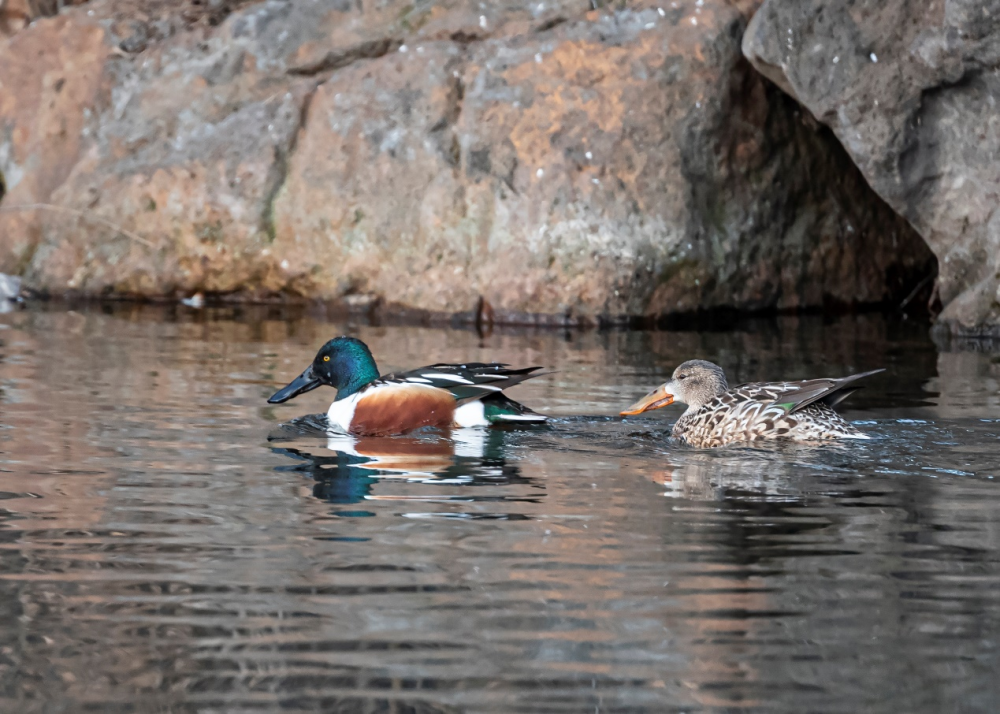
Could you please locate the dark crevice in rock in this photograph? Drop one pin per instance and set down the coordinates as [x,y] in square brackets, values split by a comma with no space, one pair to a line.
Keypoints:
[912,106]
[549,24]
[444,128]
[338,59]
[805,201]
[923,296]
[282,159]
[466,38]
[456,95]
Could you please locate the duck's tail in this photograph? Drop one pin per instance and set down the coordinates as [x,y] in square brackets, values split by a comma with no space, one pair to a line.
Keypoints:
[501,409]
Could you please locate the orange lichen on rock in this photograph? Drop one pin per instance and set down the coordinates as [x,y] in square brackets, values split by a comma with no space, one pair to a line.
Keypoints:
[550,160]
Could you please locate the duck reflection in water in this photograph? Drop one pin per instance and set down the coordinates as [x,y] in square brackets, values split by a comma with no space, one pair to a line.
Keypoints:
[779,471]
[346,468]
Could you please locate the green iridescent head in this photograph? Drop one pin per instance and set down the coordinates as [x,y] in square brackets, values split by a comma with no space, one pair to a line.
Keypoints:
[344,363]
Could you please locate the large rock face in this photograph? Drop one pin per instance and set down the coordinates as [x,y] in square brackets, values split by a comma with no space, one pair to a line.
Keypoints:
[917,108]
[550,159]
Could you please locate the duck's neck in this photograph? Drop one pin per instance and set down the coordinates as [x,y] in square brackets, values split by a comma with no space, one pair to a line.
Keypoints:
[353,387]
[358,370]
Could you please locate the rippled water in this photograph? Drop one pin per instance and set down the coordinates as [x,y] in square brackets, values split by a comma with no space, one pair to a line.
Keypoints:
[168,545]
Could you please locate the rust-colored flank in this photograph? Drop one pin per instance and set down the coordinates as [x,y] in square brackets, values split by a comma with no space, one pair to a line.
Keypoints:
[399,409]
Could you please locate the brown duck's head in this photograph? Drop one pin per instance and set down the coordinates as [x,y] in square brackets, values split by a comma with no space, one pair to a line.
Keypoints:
[695,383]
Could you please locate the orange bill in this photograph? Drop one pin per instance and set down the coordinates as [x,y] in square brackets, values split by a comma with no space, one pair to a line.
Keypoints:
[659,397]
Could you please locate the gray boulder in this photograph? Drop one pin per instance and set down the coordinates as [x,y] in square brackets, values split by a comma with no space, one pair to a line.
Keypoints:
[555,161]
[912,90]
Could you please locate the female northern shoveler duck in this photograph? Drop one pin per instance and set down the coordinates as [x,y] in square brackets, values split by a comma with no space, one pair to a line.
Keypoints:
[442,395]
[717,415]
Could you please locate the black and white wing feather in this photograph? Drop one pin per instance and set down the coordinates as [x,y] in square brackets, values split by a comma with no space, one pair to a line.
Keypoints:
[466,382]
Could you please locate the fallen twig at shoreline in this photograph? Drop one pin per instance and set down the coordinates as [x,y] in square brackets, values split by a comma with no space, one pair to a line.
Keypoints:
[88,215]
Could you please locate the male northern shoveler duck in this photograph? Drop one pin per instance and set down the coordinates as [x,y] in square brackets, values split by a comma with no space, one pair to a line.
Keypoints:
[717,415]
[442,395]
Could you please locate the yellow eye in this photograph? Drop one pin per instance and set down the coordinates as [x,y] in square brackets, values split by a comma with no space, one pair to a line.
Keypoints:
[327,358]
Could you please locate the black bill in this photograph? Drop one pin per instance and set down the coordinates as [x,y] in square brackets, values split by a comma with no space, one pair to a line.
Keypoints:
[305,382]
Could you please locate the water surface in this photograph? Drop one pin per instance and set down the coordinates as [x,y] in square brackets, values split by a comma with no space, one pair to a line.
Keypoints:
[171,543]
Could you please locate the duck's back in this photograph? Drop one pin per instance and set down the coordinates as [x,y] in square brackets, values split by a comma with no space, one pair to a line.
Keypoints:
[756,411]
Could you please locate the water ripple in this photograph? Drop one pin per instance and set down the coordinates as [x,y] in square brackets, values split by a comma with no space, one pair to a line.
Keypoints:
[169,542]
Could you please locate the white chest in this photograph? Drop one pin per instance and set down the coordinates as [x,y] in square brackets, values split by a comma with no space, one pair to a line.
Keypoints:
[341,412]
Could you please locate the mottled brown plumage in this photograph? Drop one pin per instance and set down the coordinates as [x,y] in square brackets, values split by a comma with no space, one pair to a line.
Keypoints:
[718,415]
